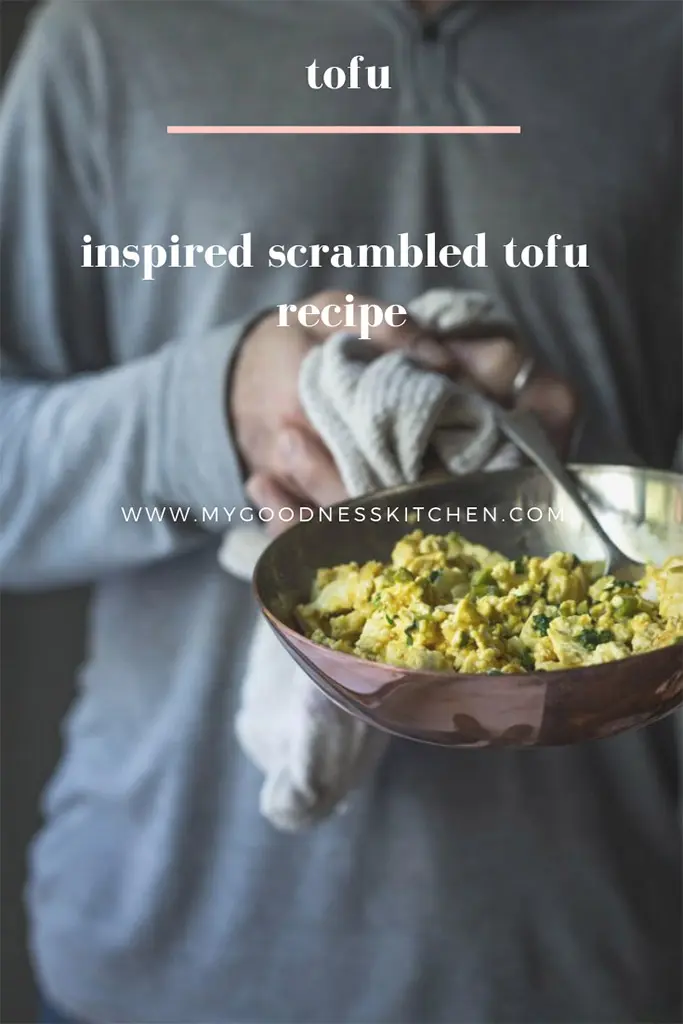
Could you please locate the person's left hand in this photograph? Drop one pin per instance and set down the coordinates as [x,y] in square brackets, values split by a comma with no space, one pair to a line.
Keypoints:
[490,364]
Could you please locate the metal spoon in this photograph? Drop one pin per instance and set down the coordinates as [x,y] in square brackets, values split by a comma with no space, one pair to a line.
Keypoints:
[524,430]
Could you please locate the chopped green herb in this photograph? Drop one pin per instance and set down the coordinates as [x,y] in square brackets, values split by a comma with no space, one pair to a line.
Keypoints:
[404,575]
[524,599]
[628,607]
[480,577]
[389,619]
[409,631]
[527,661]
[616,585]
[519,566]
[575,562]
[541,624]
[464,639]
[590,638]
[621,585]
[435,574]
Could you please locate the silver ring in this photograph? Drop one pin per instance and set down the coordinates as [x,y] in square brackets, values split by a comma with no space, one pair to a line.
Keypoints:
[523,376]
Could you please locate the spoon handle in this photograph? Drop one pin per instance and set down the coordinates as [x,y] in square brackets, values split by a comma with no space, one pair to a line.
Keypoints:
[524,430]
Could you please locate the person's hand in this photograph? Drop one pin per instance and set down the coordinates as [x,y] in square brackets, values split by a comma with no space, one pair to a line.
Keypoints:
[276,443]
[288,465]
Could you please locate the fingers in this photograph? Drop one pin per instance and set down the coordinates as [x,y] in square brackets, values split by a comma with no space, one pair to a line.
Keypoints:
[267,493]
[305,475]
[301,459]
[556,406]
[491,364]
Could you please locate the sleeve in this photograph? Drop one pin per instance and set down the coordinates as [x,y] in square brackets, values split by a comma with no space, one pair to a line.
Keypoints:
[82,441]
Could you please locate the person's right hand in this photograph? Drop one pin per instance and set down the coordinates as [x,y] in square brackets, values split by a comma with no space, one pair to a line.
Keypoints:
[277,444]
[287,463]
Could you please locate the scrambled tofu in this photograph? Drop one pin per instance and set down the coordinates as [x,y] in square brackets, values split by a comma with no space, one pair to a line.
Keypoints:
[445,604]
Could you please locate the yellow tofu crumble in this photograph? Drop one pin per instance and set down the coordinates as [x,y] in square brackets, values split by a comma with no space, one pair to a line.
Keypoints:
[445,604]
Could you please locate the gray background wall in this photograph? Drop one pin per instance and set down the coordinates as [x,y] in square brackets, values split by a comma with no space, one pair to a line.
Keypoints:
[40,646]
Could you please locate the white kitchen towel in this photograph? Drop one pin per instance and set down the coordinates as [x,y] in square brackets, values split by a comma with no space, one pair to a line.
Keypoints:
[378,414]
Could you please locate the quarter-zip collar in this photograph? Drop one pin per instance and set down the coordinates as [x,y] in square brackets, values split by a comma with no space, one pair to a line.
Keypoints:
[430,26]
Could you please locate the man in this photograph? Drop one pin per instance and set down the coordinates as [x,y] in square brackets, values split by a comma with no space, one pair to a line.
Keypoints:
[461,886]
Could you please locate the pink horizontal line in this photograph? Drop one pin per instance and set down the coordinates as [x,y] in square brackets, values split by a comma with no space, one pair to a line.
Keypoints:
[344,129]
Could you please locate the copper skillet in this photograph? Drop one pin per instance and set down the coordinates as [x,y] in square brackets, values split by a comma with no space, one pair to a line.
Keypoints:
[641,510]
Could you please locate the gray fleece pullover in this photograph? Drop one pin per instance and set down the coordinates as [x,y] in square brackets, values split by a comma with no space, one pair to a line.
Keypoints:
[463,886]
